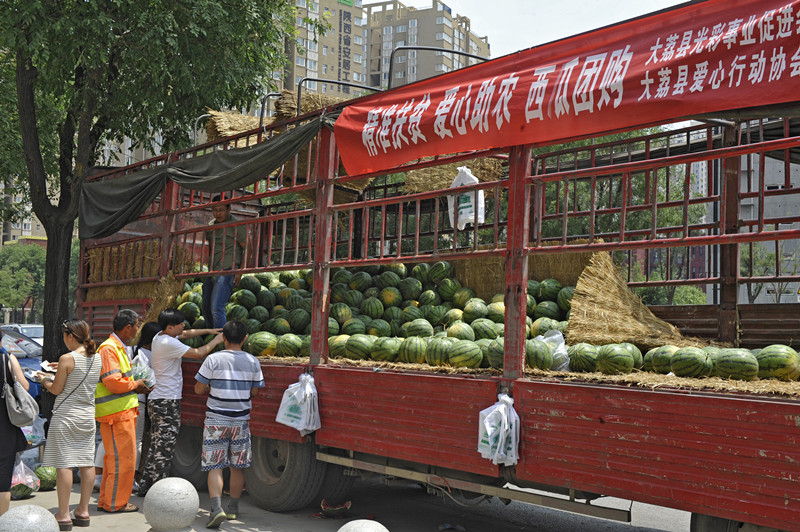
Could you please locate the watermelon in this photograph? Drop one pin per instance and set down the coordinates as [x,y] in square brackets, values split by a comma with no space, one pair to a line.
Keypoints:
[280,326]
[237,313]
[484,343]
[372,291]
[353,298]
[287,276]
[500,329]
[547,309]
[411,313]
[778,362]
[564,298]
[47,477]
[548,290]
[360,281]
[465,354]
[265,298]
[200,323]
[647,360]
[245,297]
[392,313]
[387,278]
[340,312]
[496,312]
[23,491]
[690,362]
[353,326]
[257,313]
[498,298]
[336,345]
[661,357]
[495,353]
[284,295]
[358,346]
[412,350]
[447,289]
[391,297]
[262,343]
[397,327]
[451,316]
[437,352]
[379,327]
[385,349]
[614,359]
[397,267]
[530,305]
[538,354]
[582,357]
[440,271]
[739,364]
[296,301]
[338,292]
[279,311]
[299,319]
[249,283]
[191,311]
[420,272]
[410,288]
[429,297]
[474,309]
[333,327]
[289,345]
[252,326]
[305,346]
[192,297]
[461,330]
[341,276]
[483,328]
[638,360]
[419,327]
[462,295]
[298,284]
[265,278]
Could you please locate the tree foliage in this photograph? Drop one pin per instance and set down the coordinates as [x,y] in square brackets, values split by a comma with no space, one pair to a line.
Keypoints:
[22,275]
[87,71]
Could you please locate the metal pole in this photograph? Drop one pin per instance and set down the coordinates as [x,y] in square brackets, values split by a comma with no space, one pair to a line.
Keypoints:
[345,83]
[194,131]
[428,48]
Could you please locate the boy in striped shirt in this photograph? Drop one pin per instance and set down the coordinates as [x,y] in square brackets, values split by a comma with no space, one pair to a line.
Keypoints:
[230,377]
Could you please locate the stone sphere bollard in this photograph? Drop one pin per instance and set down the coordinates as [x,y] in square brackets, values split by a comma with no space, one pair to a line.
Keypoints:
[363,525]
[171,504]
[28,517]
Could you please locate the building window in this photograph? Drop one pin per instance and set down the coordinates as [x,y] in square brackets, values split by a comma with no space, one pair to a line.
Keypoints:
[38,227]
[441,68]
[357,39]
[412,23]
[297,79]
[387,30]
[400,43]
[324,87]
[313,7]
[300,61]
[444,20]
[301,3]
[311,46]
[385,60]
[399,75]
[357,58]
[412,70]
[324,69]
[400,29]
[412,39]
[412,54]
[311,64]
[325,50]
[26,226]
[311,85]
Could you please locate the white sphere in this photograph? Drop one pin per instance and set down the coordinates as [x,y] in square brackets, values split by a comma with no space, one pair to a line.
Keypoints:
[171,504]
[363,525]
[28,517]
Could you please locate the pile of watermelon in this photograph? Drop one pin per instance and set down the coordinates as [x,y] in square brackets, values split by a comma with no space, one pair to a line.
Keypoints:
[399,313]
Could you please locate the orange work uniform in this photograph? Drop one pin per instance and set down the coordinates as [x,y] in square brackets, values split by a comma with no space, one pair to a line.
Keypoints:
[116,409]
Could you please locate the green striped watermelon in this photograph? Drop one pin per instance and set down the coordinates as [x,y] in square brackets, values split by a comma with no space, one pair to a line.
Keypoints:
[340,312]
[447,289]
[582,357]
[530,306]
[265,298]
[379,327]
[47,477]
[451,316]
[339,292]
[392,313]
[305,346]
[420,272]
[661,357]
[333,327]
[412,350]
[257,313]
[429,297]
[437,352]
[419,327]
[462,295]
[372,307]
[474,309]
[249,283]
[461,330]
[360,281]
[337,344]
[638,360]
[440,271]
[410,288]
[547,309]
[400,269]
[538,354]
[411,313]
[738,364]
[391,297]
[192,297]
[778,362]
[200,323]
[353,326]
[484,343]
[548,290]
[690,362]
[614,359]
[533,287]
[388,278]
[298,284]
[341,275]
[495,353]
[287,276]
[354,298]
[465,354]
[358,346]
[483,328]
[496,312]
[236,313]
[564,298]
[252,326]
[541,326]
[289,345]
[191,311]
[299,319]
[385,349]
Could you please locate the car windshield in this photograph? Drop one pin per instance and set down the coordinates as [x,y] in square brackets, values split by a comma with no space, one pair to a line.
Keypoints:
[33,331]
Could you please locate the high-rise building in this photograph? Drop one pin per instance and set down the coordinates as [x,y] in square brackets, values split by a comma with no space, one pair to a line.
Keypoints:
[393,24]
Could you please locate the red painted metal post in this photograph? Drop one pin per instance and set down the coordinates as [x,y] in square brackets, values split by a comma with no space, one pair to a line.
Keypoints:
[323,222]
[516,298]
[169,203]
[729,253]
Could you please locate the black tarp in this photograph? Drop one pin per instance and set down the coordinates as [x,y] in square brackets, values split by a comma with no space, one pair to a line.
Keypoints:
[107,206]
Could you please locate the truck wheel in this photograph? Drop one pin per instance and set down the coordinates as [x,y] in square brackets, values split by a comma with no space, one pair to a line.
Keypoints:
[186,458]
[284,476]
[335,486]
[707,523]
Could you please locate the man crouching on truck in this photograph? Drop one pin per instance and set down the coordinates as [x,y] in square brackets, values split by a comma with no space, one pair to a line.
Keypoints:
[230,377]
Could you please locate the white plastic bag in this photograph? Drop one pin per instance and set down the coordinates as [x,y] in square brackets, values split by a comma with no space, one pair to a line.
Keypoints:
[468,202]
[557,344]
[498,432]
[143,371]
[300,407]
[24,481]
[35,433]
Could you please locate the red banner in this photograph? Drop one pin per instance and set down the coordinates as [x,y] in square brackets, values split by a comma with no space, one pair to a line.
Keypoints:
[699,58]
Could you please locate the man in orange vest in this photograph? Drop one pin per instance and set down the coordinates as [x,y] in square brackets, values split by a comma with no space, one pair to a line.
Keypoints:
[116,409]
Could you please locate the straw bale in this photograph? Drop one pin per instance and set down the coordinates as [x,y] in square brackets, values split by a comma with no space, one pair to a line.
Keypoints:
[120,292]
[222,124]
[286,105]
[163,293]
[133,260]
[605,311]
[441,177]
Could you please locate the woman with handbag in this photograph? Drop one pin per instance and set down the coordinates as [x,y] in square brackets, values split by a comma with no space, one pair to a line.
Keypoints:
[70,438]
[13,438]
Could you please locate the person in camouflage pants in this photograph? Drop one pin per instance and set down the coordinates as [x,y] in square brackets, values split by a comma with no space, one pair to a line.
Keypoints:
[164,402]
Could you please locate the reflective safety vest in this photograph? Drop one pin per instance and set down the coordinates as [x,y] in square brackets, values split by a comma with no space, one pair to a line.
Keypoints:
[107,403]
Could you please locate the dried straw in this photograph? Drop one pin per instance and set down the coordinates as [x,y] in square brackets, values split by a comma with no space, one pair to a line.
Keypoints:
[605,311]
[286,105]
[130,261]
[222,124]
[441,177]
[120,292]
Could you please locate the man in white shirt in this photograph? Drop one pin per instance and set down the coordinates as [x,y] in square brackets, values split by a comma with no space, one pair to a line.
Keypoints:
[164,402]
[230,377]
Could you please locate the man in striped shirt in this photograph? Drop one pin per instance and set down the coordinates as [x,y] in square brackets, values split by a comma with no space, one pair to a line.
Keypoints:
[230,377]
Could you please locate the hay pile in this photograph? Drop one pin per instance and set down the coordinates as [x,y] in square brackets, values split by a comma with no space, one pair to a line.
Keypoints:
[441,177]
[286,105]
[605,311]
[221,125]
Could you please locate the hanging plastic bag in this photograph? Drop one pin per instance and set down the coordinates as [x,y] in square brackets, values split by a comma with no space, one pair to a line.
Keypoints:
[468,202]
[24,481]
[299,407]
[498,432]
[558,346]
[35,433]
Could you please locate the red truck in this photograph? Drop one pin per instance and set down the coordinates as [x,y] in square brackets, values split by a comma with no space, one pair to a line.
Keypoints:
[712,193]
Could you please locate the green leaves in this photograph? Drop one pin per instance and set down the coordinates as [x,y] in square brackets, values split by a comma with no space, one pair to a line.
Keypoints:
[21,274]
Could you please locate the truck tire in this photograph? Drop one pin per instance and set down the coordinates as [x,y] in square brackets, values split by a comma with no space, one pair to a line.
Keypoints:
[707,523]
[336,485]
[284,476]
[186,458]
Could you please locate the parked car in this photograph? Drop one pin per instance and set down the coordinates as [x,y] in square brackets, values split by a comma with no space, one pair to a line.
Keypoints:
[20,345]
[34,331]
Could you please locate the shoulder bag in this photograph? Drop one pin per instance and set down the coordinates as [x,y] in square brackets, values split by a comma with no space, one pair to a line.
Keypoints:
[22,407]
